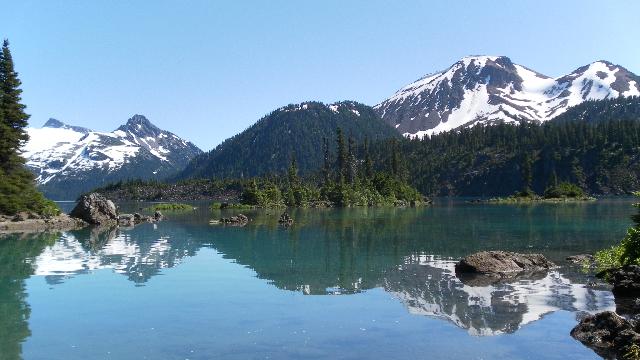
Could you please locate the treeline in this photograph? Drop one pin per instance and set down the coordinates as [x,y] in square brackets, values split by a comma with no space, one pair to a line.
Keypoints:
[601,156]
[17,188]
[620,108]
[349,177]
[266,146]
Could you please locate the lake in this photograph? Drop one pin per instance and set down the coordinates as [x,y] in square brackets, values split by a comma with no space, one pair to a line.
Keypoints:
[363,283]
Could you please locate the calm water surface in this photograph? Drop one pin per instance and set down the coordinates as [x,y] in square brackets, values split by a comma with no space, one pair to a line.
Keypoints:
[345,284]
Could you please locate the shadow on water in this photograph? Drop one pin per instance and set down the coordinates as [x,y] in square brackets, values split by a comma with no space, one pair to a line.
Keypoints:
[409,253]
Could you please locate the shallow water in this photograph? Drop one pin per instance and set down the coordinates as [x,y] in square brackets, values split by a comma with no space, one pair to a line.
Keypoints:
[341,283]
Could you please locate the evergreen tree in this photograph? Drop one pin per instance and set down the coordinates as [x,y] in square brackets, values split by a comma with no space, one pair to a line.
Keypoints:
[395,159]
[14,119]
[527,173]
[326,167]
[368,162]
[351,165]
[341,161]
[17,189]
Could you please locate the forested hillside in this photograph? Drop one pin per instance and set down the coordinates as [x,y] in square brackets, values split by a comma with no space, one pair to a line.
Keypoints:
[621,108]
[299,130]
[600,155]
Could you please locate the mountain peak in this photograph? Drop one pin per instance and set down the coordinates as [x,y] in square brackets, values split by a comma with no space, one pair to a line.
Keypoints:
[490,89]
[140,125]
[53,123]
[139,120]
[57,124]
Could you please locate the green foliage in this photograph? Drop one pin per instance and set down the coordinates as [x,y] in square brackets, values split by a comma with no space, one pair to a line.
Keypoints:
[564,190]
[170,207]
[17,188]
[601,155]
[266,147]
[625,253]
[262,193]
[343,183]
[220,206]
[633,352]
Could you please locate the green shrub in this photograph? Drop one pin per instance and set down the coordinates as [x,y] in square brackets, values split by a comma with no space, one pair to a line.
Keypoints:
[218,206]
[170,207]
[625,253]
[564,190]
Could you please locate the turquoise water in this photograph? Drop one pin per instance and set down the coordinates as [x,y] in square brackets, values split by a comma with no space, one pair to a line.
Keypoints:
[341,283]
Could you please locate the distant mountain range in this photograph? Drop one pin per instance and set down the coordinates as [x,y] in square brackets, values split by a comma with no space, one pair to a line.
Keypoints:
[68,160]
[491,89]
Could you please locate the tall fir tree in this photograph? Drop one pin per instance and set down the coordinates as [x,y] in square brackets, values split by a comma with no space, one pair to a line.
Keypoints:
[341,161]
[326,166]
[17,188]
[351,161]
[368,162]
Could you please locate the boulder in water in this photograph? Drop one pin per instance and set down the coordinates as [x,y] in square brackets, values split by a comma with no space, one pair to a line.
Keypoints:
[608,334]
[625,281]
[502,263]
[126,220]
[580,259]
[285,219]
[96,210]
[238,220]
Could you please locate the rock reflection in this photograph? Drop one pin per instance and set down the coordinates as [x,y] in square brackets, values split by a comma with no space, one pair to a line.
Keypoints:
[428,286]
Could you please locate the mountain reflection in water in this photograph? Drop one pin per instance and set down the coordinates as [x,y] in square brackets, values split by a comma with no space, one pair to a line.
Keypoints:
[409,253]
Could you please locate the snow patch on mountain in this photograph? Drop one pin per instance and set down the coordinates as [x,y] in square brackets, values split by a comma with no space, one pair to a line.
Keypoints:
[489,89]
[61,153]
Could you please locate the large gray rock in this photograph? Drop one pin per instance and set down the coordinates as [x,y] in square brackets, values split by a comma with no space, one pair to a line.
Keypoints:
[608,334]
[502,263]
[626,281]
[96,209]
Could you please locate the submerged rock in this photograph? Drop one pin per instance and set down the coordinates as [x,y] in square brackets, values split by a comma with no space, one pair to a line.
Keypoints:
[96,210]
[580,259]
[238,220]
[608,334]
[285,219]
[502,263]
[126,220]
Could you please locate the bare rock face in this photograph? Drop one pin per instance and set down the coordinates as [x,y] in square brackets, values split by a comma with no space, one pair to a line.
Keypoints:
[502,263]
[608,334]
[96,210]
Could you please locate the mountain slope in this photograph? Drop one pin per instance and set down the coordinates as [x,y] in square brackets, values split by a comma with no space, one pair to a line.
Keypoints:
[592,111]
[490,89]
[68,160]
[267,146]
[594,145]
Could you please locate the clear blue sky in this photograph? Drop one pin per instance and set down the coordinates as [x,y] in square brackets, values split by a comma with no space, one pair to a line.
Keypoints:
[206,70]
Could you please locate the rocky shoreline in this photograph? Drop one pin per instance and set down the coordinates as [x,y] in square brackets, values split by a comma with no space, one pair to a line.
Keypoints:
[92,210]
[60,222]
[615,334]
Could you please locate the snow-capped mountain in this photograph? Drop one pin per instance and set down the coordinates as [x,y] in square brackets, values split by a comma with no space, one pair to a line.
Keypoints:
[68,160]
[488,89]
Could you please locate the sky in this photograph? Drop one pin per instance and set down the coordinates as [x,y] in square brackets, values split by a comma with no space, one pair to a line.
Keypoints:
[206,70]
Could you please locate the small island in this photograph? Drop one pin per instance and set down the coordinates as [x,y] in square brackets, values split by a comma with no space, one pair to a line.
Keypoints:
[561,193]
